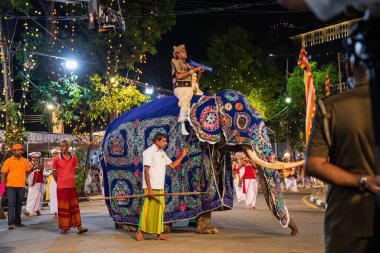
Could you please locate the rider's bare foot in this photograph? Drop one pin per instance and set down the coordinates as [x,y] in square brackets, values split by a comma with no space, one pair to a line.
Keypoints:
[139,236]
[162,237]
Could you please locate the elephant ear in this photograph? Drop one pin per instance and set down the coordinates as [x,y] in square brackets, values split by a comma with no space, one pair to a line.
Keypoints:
[240,122]
[204,118]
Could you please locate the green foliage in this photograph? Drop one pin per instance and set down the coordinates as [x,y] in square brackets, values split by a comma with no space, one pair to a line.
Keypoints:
[294,119]
[81,105]
[16,133]
[19,5]
[240,65]
[115,96]
[80,172]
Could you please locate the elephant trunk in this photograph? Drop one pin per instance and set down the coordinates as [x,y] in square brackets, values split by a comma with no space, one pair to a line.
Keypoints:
[272,166]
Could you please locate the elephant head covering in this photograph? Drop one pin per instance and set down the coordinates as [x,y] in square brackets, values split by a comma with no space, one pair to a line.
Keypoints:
[35,154]
[176,49]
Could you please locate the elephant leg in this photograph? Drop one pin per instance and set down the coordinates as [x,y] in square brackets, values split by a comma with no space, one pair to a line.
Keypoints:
[168,228]
[129,228]
[204,225]
[292,225]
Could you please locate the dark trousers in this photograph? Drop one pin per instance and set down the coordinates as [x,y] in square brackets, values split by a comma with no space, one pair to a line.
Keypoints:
[14,197]
[335,244]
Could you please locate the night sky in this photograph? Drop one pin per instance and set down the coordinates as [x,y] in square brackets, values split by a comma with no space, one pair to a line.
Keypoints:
[195,30]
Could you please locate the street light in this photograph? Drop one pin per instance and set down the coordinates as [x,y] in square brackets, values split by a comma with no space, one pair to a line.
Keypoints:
[71,64]
[149,90]
[50,107]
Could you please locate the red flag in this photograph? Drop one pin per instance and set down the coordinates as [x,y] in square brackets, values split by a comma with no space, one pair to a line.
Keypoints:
[309,89]
[327,85]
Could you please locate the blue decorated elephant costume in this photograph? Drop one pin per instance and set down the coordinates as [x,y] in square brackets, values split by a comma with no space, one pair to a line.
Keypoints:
[219,124]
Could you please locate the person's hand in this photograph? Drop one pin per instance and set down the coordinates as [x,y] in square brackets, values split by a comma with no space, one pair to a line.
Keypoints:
[373,184]
[185,151]
[202,69]
[2,189]
[150,193]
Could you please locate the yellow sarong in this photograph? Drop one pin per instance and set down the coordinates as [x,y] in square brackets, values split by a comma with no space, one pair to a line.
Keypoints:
[50,177]
[152,214]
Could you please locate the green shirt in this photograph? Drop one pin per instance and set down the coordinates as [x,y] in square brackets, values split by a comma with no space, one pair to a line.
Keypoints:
[349,212]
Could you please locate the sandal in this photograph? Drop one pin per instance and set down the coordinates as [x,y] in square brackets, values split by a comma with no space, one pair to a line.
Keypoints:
[11,226]
[82,230]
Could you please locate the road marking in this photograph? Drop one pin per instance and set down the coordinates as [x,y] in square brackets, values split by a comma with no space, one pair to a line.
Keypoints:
[3,230]
[306,202]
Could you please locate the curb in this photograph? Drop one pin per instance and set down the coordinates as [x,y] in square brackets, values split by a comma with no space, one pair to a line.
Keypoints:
[318,202]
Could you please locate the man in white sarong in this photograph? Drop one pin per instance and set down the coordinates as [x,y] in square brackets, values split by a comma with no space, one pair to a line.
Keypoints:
[35,186]
[238,183]
[250,186]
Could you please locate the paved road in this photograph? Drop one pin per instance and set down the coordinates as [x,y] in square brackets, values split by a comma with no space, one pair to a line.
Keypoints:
[240,230]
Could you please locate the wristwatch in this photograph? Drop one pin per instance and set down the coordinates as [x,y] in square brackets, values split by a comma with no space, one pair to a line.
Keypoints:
[362,183]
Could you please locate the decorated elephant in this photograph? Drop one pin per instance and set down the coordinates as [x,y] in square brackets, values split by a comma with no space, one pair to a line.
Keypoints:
[218,124]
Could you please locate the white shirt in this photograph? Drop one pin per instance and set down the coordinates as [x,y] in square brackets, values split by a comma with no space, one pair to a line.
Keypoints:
[157,160]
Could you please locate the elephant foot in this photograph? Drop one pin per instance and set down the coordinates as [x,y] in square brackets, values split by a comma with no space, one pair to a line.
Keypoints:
[293,227]
[118,225]
[168,228]
[204,225]
[129,228]
[209,230]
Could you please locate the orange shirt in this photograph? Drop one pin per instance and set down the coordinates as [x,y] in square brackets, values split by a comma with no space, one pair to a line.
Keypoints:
[16,169]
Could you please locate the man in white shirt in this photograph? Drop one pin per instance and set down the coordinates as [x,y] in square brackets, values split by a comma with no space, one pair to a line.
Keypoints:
[155,161]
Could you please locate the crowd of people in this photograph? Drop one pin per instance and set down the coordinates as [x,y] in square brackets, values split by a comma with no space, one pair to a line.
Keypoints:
[57,183]
[246,182]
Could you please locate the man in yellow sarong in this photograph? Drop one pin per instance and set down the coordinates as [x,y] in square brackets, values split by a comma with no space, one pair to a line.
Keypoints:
[155,161]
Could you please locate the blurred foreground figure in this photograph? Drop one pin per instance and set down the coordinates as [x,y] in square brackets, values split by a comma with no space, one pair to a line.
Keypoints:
[341,152]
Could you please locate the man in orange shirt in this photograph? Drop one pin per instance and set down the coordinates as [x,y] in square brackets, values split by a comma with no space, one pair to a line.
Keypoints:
[13,176]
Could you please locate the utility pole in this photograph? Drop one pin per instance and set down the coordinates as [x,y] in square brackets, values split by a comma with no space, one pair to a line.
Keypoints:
[4,62]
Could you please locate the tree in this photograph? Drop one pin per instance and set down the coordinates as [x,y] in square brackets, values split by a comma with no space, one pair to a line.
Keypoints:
[80,106]
[292,123]
[241,65]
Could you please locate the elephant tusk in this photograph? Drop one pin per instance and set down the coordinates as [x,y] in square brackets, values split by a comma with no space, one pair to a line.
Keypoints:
[294,164]
[273,166]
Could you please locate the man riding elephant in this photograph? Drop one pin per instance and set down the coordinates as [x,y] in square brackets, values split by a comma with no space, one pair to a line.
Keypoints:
[185,82]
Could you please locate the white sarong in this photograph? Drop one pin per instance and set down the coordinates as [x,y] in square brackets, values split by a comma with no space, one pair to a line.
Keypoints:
[53,195]
[35,197]
[251,189]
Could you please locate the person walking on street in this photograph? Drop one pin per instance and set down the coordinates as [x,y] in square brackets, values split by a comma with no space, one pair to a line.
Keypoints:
[155,161]
[64,167]
[13,177]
